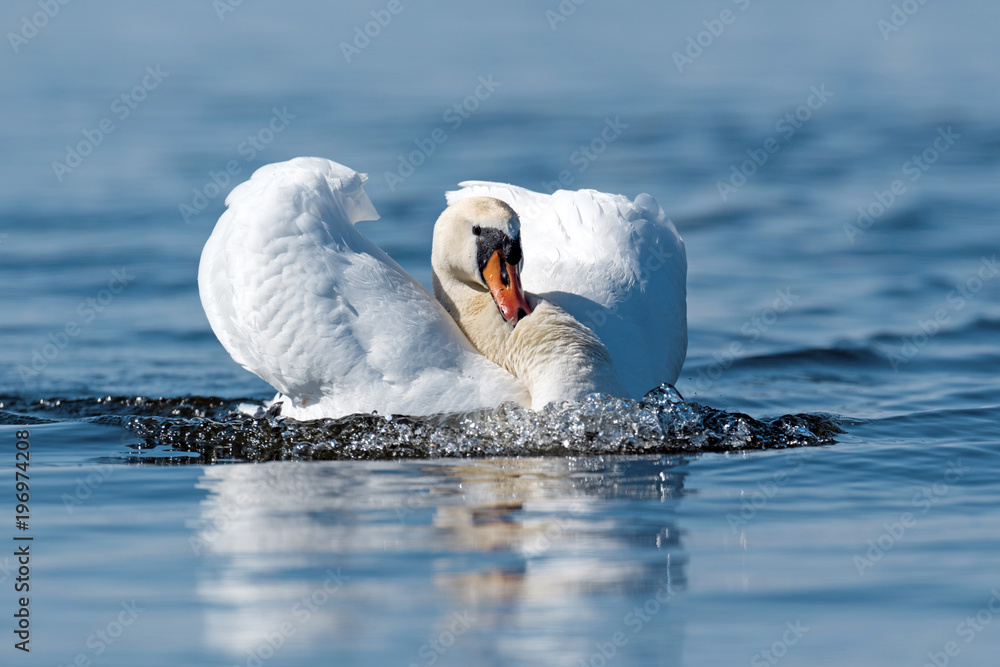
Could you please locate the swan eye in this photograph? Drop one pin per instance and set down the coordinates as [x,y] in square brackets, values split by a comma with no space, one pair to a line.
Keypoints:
[477,230]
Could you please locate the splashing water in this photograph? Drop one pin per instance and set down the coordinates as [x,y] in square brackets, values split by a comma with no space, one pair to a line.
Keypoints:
[216,430]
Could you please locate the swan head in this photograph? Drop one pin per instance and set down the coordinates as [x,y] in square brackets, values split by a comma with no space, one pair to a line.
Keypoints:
[476,261]
[477,247]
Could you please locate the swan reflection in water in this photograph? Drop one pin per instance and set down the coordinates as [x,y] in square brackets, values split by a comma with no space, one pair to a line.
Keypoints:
[509,558]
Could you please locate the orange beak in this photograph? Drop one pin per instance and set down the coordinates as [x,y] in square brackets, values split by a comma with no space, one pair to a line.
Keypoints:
[505,286]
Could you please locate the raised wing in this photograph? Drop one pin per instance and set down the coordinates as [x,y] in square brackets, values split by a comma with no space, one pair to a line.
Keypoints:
[302,299]
[618,266]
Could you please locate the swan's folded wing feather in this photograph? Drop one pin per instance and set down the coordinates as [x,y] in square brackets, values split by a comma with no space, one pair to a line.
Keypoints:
[618,266]
[302,299]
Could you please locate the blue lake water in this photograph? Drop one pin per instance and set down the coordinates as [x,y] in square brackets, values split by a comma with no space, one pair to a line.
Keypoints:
[167,531]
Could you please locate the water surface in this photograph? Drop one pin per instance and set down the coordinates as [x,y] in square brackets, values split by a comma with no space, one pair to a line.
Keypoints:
[861,529]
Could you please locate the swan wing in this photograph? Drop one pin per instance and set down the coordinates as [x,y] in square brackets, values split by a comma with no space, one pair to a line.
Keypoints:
[617,265]
[300,297]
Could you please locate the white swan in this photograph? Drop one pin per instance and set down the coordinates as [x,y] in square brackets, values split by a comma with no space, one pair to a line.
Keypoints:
[298,296]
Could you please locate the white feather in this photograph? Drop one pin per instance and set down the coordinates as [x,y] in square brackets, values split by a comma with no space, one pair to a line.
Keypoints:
[301,298]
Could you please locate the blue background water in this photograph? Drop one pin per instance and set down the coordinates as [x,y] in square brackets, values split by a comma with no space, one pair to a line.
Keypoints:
[543,559]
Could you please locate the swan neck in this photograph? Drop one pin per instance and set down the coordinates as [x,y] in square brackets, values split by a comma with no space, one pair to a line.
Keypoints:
[556,357]
[559,359]
[475,313]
